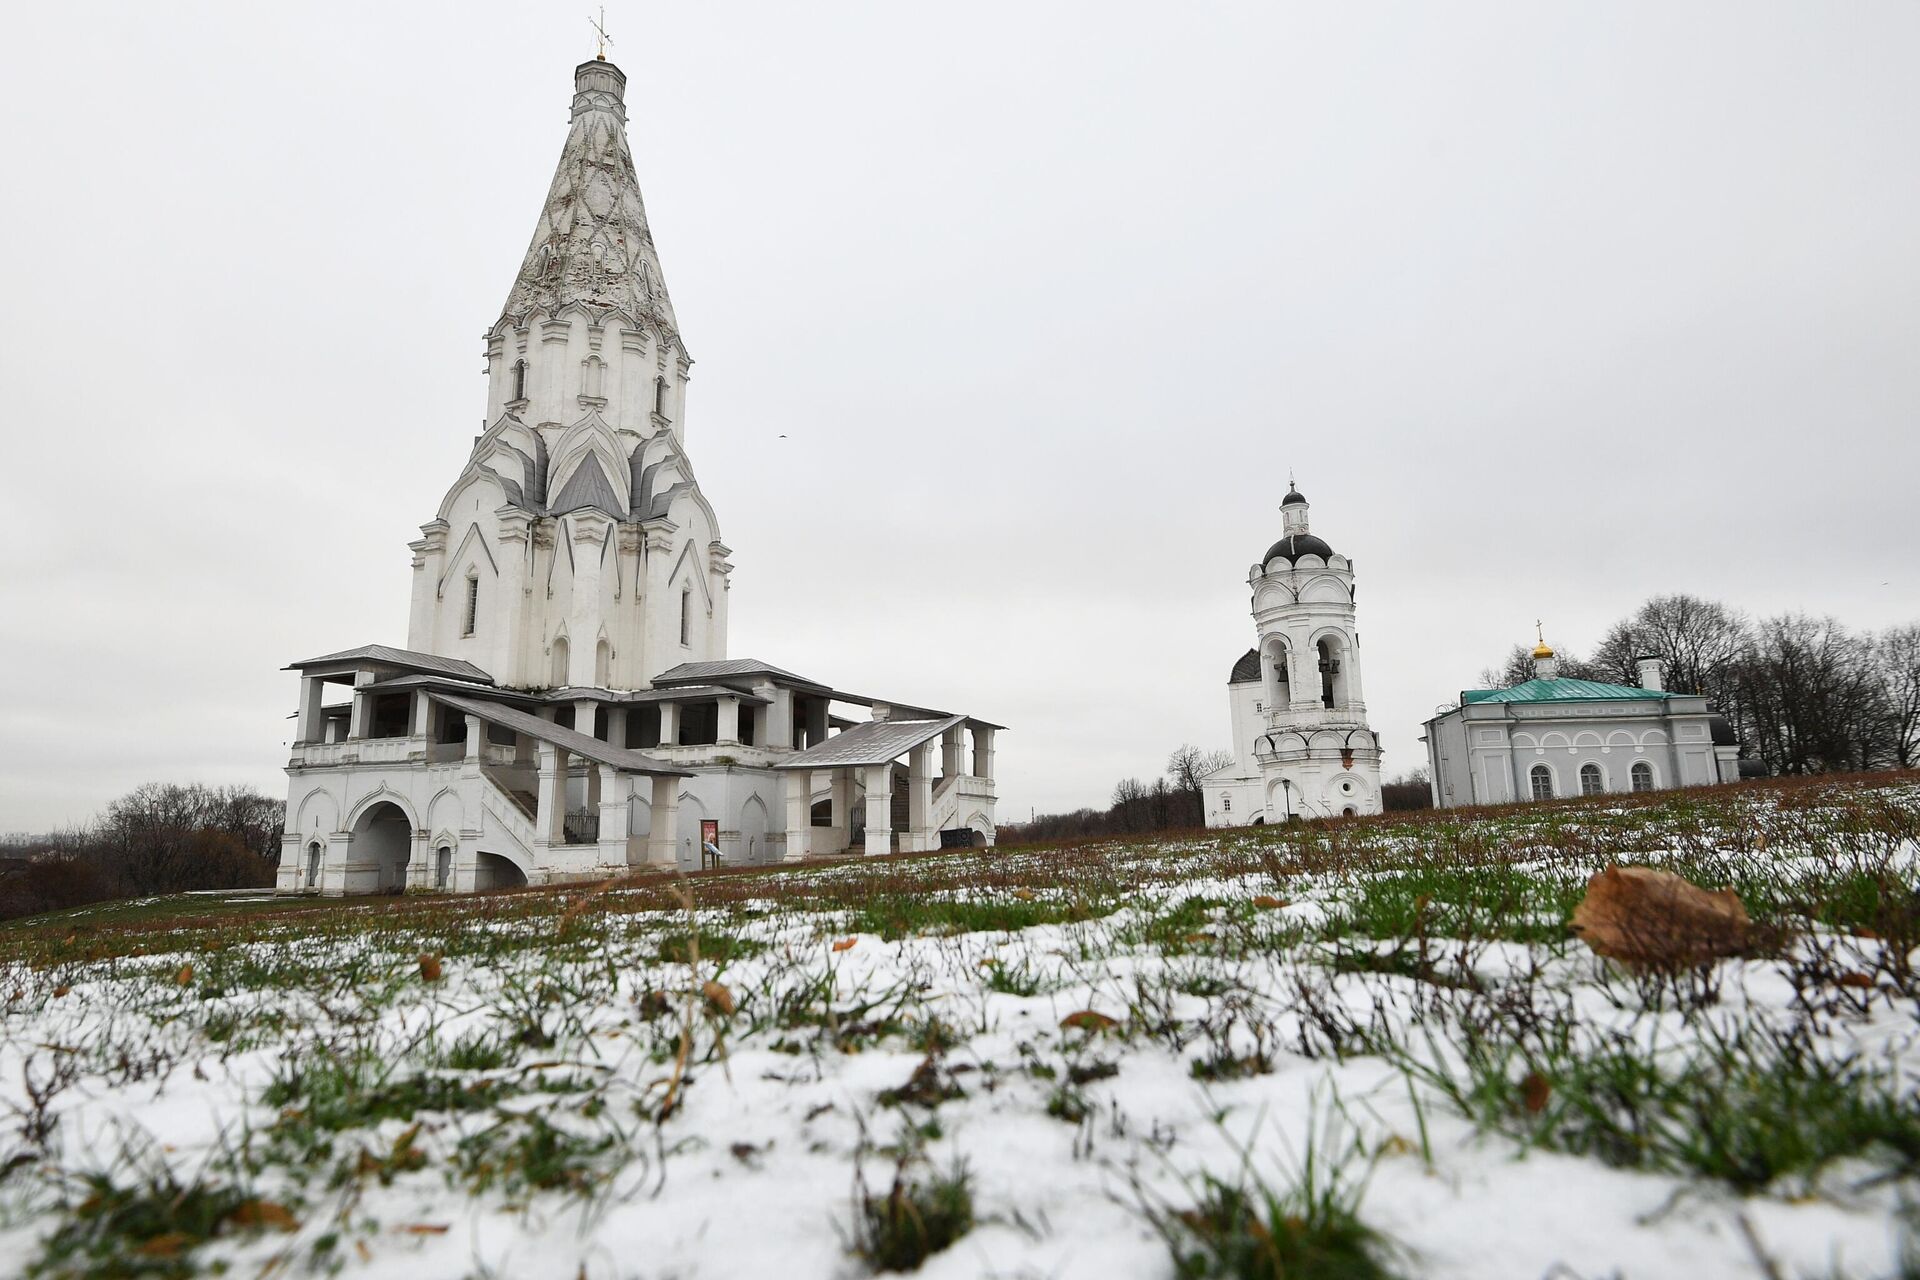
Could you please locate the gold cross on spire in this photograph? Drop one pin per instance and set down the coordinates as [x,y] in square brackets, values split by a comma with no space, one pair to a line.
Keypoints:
[600,33]
[1539,632]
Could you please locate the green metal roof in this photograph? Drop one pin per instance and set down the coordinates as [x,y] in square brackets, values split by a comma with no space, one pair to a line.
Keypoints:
[1561,690]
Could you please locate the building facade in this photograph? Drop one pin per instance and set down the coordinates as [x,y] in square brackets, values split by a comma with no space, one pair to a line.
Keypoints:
[1552,736]
[1301,744]
[565,706]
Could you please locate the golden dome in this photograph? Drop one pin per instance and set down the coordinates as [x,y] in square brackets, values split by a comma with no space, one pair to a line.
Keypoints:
[1543,650]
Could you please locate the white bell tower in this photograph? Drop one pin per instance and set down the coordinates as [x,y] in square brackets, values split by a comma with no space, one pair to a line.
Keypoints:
[1316,754]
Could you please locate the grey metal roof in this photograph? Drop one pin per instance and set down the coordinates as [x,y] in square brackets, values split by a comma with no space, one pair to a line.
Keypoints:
[386,655]
[570,740]
[678,693]
[689,672]
[588,486]
[417,680]
[874,742]
[1247,669]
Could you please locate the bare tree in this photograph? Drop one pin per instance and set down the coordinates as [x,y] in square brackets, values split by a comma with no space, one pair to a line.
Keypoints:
[1813,696]
[1897,658]
[1518,668]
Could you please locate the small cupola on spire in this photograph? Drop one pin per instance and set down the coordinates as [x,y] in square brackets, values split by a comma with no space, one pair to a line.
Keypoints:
[1293,509]
[1545,665]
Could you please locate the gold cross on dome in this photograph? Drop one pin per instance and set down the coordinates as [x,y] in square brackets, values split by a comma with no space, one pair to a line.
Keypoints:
[600,33]
[1538,632]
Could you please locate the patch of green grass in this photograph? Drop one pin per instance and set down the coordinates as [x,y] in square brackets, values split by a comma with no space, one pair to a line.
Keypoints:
[895,916]
[1311,1229]
[526,1152]
[676,948]
[915,1219]
[1488,902]
[1746,1107]
[149,1228]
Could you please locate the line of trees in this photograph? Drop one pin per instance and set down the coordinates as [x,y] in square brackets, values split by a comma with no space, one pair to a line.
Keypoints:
[1170,801]
[158,838]
[1805,694]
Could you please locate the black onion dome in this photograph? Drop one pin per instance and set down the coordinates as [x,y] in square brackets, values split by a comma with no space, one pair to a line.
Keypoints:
[1723,732]
[1295,545]
[1294,498]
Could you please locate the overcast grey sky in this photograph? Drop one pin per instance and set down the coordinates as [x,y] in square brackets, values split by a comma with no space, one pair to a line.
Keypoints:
[1552,307]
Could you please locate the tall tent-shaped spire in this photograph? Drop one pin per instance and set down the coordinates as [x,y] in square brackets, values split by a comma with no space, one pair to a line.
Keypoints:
[592,245]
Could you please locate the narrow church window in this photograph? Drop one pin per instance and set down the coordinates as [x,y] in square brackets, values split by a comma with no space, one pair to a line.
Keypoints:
[660,396]
[1226,804]
[1642,776]
[1590,783]
[686,614]
[473,604]
[519,379]
[1542,779]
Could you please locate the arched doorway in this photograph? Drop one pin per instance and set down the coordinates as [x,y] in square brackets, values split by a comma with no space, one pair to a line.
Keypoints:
[313,865]
[384,837]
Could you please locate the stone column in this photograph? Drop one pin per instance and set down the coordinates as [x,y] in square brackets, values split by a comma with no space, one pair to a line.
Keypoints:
[590,533]
[879,810]
[663,839]
[506,617]
[953,747]
[794,785]
[662,611]
[422,715]
[313,695]
[550,811]
[429,563]
[920,834]
[842,805]
[669,724]
[614,790]
[586,717]
[362,715]
[983,753]
[729,721]
[617,726]
[476,744]
[776,719]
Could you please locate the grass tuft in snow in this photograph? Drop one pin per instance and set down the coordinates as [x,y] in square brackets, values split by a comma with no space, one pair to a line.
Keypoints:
[917,1217]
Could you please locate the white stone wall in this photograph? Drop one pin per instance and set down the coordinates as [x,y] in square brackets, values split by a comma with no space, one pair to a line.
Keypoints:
[1484,753]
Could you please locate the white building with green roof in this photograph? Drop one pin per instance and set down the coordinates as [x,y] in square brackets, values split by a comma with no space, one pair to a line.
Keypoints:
[1554,736]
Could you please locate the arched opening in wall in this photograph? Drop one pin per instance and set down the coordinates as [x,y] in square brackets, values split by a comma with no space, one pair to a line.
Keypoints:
[1349,812]
[472,616]
[1333,680]
[313,865]
[519,380]
[1642,776]
[602,663]
[686,615]
[1277,663]
[1591,783]
[491,871]
[558,674]
[384,837]
[821,813]
[1540,779]
[443,867]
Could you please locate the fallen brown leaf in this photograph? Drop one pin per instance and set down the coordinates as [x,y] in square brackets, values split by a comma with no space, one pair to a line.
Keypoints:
[430,968]
[264,1213]
[845,944]
[1088,1020]
[167,1245]
[1025,895]
[719,999]
[1267,902]
[1535,1089]
[1654,919]
[1857,980]
[185,976]
[425,1228]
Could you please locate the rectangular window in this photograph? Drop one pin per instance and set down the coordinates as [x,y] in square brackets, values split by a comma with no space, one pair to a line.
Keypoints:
[686,616]
[1226,804]
[1542,780]
[473,605]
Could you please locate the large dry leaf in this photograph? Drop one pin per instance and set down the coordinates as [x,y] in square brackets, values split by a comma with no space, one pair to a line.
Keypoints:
[1655,919]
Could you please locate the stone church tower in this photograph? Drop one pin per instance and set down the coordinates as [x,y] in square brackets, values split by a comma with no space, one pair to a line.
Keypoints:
[575,549]
[1301,744]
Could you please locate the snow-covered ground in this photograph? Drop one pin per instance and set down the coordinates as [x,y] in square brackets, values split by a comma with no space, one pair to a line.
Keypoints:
[423,1089]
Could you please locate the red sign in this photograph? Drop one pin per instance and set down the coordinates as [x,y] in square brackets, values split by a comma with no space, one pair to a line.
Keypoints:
[709,831]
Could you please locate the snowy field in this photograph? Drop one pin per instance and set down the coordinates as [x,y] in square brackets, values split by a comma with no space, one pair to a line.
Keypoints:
[1371,1049]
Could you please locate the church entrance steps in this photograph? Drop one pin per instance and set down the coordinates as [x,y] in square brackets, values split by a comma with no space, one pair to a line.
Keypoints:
[523,799]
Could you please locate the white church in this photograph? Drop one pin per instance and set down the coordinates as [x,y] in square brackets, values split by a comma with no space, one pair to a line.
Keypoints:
[565,707]
[1301,744]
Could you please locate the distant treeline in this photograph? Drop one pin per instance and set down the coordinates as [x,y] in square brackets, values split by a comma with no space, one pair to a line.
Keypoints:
[1171,802]
[1806,695]
[159,838]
